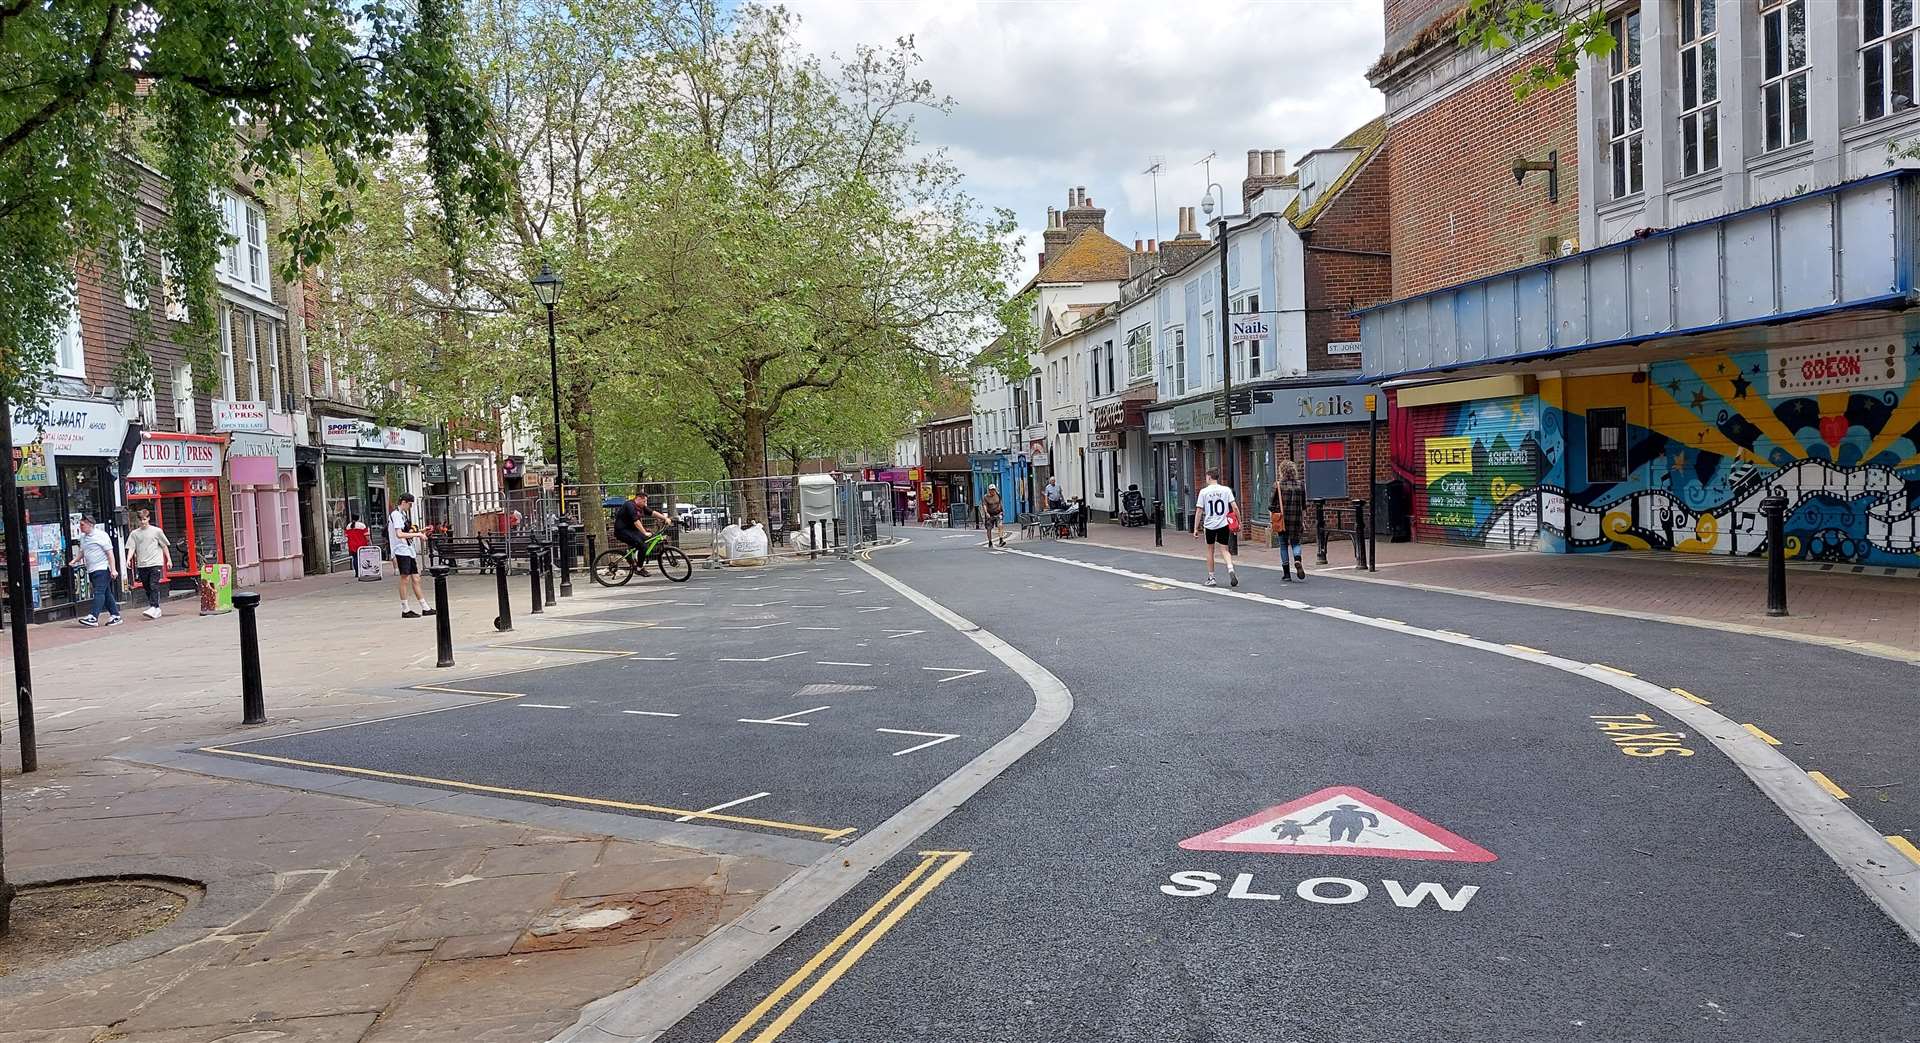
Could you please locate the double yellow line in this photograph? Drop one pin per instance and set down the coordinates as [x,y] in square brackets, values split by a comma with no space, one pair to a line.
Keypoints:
[867,928]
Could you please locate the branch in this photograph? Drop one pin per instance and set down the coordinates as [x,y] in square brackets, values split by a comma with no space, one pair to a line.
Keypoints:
[95,75]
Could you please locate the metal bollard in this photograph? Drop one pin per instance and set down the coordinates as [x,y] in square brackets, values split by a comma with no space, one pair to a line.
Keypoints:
[1774,506]
[566,563]
[253,700]
[1360,533]
[534,557]
[1159,522]
[503,621]
[547,560]
[442,626]
[1320,532]
[592,553]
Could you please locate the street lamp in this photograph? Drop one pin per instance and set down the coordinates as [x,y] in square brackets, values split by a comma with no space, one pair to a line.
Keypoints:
[546,287]
[1226,334]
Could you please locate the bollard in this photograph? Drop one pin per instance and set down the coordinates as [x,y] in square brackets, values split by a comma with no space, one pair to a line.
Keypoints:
[534,557]
[253,701]
[566,562]
[442,627]
[503,621]
[1320,531]
[1360,533]
[1774,506]
[1159,523]
[592,551]
[547,560]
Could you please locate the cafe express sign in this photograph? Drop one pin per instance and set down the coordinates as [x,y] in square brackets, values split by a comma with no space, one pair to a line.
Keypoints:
[1291,407]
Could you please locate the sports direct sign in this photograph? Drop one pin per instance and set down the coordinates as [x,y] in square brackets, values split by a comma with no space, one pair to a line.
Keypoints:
[1829,368]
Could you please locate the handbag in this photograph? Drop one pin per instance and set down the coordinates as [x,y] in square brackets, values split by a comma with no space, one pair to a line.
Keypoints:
[1233,520]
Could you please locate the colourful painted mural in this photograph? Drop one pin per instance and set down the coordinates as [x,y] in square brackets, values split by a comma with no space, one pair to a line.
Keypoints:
[1679,458]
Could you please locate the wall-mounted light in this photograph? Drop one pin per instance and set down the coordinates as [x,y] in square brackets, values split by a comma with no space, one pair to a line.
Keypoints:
[1551,165]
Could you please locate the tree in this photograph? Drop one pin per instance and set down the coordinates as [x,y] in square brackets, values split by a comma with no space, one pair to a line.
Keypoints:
[1581,29]
[200,90]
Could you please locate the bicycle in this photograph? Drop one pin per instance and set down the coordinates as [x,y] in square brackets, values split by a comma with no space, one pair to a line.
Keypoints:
[614,567]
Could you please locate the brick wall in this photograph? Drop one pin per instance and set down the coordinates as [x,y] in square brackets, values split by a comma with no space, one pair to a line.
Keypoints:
[1404,15]
[1456,213]
[1292,445]
[1347,266]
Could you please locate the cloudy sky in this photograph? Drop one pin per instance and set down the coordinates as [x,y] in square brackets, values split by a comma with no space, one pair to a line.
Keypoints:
[1053,93]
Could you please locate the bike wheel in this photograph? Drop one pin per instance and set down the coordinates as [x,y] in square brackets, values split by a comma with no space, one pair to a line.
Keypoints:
[612,569]
[674,564]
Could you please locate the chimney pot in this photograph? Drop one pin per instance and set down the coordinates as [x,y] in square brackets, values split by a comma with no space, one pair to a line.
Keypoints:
[1153,246]
[1254,160]
[1081,194]
[1279,161]
[1136,246]
[1266,162]
[1070,197]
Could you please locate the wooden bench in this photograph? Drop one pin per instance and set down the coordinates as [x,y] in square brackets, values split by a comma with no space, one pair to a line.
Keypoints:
[452,550]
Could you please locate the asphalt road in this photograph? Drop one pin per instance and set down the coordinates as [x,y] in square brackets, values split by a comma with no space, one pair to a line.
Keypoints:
[1648,897]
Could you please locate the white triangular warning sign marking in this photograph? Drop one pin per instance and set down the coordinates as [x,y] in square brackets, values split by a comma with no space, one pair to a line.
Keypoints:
[1341,820]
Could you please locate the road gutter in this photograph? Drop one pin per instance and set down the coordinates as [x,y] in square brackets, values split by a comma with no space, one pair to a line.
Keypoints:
[1890,879]
[647,1010]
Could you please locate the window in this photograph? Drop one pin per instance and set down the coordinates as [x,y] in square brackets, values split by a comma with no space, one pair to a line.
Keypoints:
[1886,57]
[139,409]
[1606,445]
[256,247]
[69,355]
[1248,362]
[1699,87]
[1140,352]
[133,280]
[273,366]
[1177,362]
[227,384]
[1783,68]
[230,223]
[1624,105]
[1111,386]
[1211,374]
[251,330]
[183,419]
[175,301]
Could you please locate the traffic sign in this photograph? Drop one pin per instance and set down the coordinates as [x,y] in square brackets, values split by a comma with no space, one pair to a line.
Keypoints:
[1340,820]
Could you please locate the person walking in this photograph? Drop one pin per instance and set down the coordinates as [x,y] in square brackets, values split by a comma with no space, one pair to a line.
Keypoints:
[991,512]
[406,556]
[1289,500]
[1213,511]
[94,552]
[149,559]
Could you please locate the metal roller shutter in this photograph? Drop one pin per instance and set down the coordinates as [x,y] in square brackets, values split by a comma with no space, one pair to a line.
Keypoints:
[1470,460]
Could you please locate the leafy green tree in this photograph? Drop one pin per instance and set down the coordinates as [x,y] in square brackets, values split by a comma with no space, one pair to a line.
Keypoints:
[1578,30]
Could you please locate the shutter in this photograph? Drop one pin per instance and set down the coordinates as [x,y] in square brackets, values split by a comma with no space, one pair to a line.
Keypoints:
[1470,460]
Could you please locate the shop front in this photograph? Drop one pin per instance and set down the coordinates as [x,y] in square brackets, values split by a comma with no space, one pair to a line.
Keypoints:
[177,477]
[68,452]
[1119,450]
[366,468]
[266,525]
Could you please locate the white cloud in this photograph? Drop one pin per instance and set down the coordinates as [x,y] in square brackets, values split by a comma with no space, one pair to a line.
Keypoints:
[1053,94]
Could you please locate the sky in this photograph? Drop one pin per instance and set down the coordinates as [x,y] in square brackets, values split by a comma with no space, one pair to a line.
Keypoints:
[1049,94]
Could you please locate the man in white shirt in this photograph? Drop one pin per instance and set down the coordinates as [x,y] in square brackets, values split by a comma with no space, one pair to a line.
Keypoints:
[1212,510]
[406,558]
[93,551]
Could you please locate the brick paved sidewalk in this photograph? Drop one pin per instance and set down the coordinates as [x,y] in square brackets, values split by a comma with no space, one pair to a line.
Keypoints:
[328,918]
[1871,612]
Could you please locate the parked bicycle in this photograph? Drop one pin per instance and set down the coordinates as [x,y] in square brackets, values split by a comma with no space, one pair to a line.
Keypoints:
[616,566]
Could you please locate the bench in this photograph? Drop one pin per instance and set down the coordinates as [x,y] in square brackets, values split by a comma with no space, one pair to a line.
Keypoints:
[452,550]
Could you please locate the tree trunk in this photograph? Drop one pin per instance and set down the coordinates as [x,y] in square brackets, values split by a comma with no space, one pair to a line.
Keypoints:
[6,889]
[753,466]
[586,456]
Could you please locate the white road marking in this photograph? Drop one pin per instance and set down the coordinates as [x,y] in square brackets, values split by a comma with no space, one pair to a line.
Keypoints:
[958,536]
[937,737]
[765,659]
[785,718]
[652,713]
[846,593]
[718,807]
[956,672]
[800,607]
[758,604]
[900,633]
[816,628]
[544,706]
[63,713]
[877,608]
[830,662]
[654,658]
[757,626]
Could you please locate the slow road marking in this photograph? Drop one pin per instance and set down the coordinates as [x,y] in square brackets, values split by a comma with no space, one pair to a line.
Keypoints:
[863,933]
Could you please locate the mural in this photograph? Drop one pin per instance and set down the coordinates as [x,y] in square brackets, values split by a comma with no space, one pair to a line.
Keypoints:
[1834,429]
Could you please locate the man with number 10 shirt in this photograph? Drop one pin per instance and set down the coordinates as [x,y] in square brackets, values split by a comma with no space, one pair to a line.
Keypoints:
[1213,511]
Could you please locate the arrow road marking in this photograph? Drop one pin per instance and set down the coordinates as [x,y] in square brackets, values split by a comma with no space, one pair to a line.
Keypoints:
[785,718]
[720,807]
[937,737]
[764,659]
[900,633]
[758,626]
[957,673]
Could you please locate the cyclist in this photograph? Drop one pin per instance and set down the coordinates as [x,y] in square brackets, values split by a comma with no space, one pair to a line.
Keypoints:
[630,526]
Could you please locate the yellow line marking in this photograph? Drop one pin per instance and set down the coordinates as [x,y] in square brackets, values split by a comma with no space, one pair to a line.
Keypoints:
[837,834]
[892,917]
[597,802]
[1528,648]
[465,691]
[1827,784]
[1684,694]
[1616,670]
[1905,846]
[1764,737]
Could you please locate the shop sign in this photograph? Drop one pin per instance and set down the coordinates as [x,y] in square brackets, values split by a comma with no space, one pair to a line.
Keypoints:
[247,443]
[33,469]
[1343,347]
[72,427]
[1249,328]
[1289,407]
[514,467]
[239,415]
[158,458]
[354,433]
[1104,441]
[1831,368]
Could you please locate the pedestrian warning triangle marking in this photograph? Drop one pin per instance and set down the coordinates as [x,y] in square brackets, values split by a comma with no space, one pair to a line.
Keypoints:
[1340,820]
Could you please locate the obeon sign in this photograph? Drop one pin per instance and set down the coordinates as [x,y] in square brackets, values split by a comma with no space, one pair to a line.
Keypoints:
[1831,367]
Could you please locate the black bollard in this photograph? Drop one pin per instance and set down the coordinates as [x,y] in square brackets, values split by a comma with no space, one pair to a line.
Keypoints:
[547,560]
[253,700]
[503,621]
[566,563]
[442,626]
[1159,523]
[1774,506]
[534,557]
[1360,533]
[592,551]
[1320,531]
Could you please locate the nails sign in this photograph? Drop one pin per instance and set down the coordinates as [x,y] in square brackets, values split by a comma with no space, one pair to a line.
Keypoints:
[1340,820]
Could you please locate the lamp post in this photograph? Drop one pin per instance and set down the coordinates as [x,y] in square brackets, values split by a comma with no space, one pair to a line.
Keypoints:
[546,287]
[1232,460]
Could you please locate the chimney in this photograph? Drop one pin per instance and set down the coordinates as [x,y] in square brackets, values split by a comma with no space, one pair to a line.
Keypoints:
[1082,214]
[1177,252]
[1057,235]
[1265,169]
[1138,246]
[1153,246]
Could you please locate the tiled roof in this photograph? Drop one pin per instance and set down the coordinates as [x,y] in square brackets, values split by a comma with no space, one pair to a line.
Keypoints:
[1367,138]
[1092,256]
